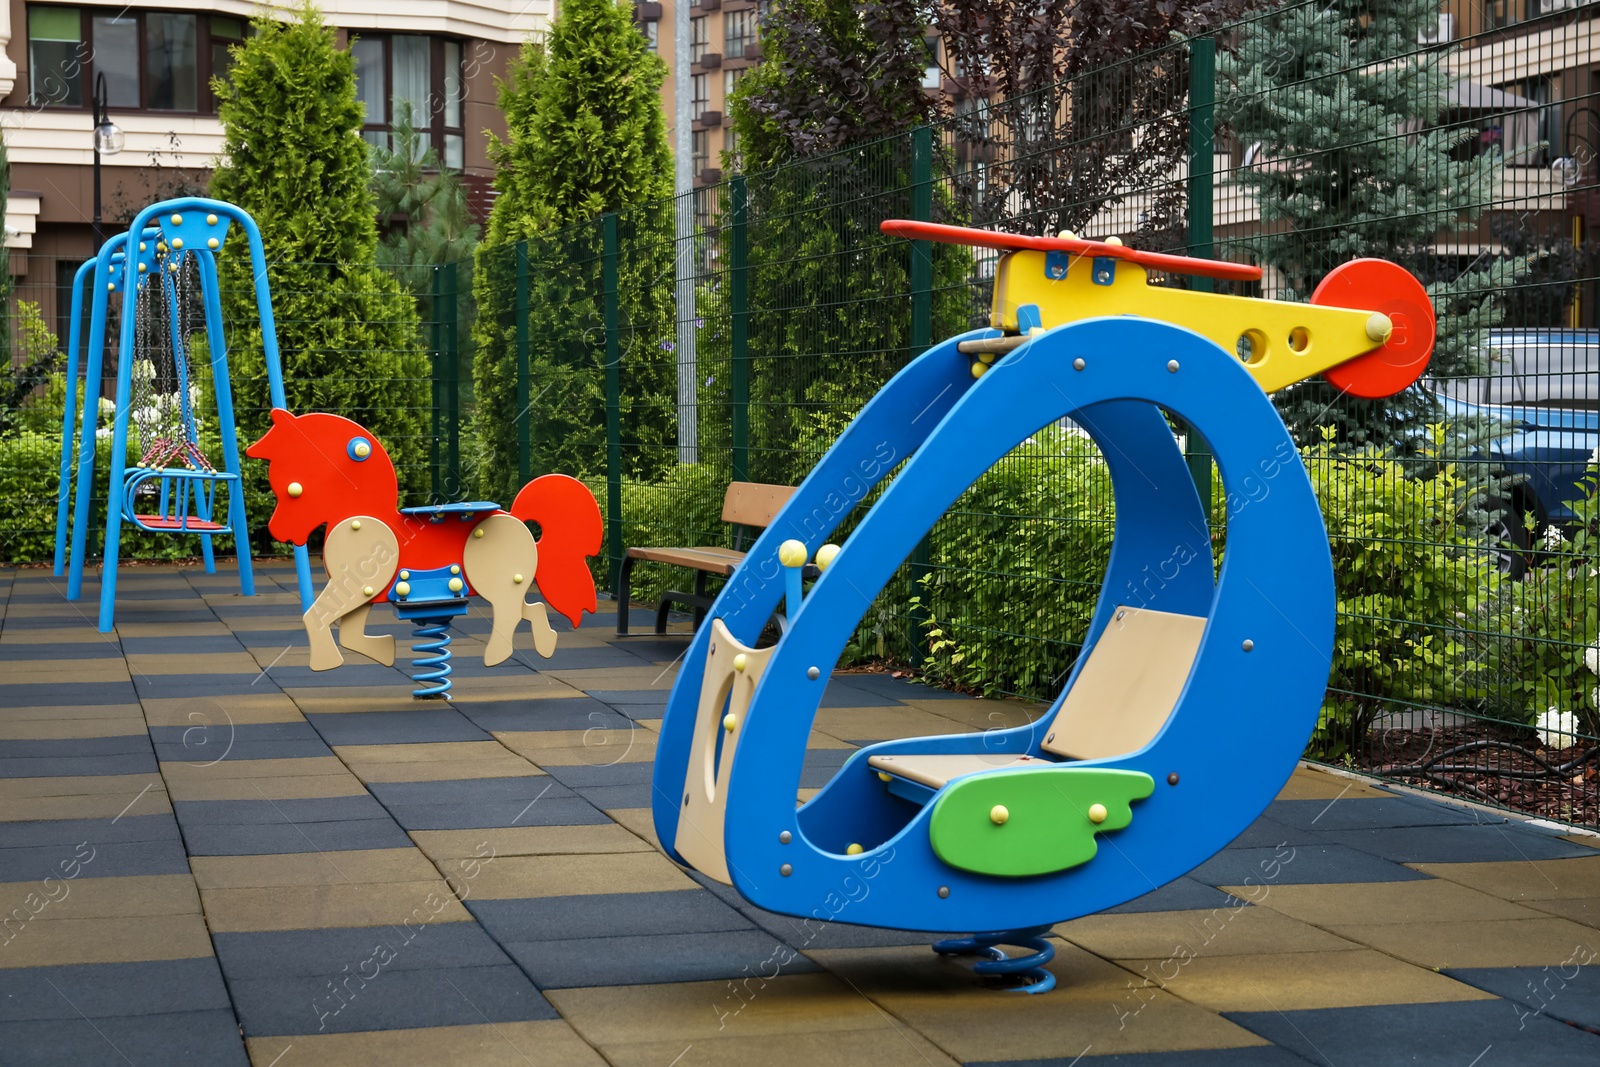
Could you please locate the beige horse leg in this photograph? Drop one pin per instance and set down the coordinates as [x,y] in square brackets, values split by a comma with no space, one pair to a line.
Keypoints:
[500,558]
[353,635]
[361,555]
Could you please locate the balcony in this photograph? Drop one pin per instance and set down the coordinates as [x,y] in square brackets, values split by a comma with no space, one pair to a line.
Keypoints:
[708,120]
[709,61]
[643,12]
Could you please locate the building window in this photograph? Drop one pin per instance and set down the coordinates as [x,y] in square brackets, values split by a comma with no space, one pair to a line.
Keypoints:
[396,72]
[698,41]
[730,149]
[152,60]
[700,98]
[700,159]
[652,34]
[931,74]
[738,30]
[730,82]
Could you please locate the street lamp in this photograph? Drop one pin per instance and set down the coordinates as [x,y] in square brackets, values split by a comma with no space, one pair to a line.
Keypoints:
[108,141]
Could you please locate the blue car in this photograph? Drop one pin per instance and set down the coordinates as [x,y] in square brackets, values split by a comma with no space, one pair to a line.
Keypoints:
[1545,386]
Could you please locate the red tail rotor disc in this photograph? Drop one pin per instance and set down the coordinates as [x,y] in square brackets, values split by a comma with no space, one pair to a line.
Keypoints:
[1378,285]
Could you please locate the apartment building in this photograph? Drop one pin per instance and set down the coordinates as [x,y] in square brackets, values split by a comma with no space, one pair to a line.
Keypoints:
[154,66]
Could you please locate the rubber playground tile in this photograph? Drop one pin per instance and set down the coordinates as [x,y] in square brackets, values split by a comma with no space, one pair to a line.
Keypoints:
[342,905]
[106,898]
[1240,930]
[382,999]
[178,774]
[1432,1035]
[73,728]
[234,661]
[87,806]
[187,712]
[1298,865]
[1510,842]
[1584,910]
[1253,1056]
[843,695]
[1353,903]
[559,713]
[44,671]
[112,940]
[884,684]
[217,686]
[861,725]
[1568,992]
[324,954]
[1447,943]
[194,813]
[215,742]
[127,744]
[687,957]
[592,776]
[646,676]
[442,845]
[489,792]
[1180,894]
[821,765]
[357,672]
[356,701]
[603,915]
[254,839]
[86,859]
[601,657]
[209,1037]
[108,990]
[597,747]
[1562,879]
[547,1042]
[440,761]
[75,786]
[155,646]
[1094,1007]
[396,727]
[555,810]
[312,868]
[287,787]
[1293,981]
[68,832]
[108,650]
[209,626]
[810,934]
[657,697]
[527,877]
[1267,832]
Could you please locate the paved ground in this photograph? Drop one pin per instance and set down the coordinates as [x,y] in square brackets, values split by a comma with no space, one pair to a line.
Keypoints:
[210,855]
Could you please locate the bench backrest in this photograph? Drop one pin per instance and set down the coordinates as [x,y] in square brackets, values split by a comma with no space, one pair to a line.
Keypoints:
[754,503]
[1129,686]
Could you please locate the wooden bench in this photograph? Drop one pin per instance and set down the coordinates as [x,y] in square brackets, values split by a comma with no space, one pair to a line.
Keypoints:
[747,505]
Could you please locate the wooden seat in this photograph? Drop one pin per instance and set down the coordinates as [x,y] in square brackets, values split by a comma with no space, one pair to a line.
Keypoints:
[1118,703]
[747,505]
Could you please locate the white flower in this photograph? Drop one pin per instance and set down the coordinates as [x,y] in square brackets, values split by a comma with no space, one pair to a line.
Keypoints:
[1557,729]
[1591,658]
[1553,538]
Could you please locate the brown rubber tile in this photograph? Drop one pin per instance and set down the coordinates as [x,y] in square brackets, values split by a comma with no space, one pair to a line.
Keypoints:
[280,787]
[527,841]
[1228,931]
[240,709]
[159,663]
[106,898]
[639,821]
[185,629]
[581,748]
[378,865]
[142,801]
[546,1043]
[56,671]
[1446,943]
[1524,879]
[84,711]
[75,786]
[1350,903]
[120,940]
[322,907]
[433,762]
[890,1046]
[511,877]
[65,729]
[1585,910]
[873,724]
[1310,783]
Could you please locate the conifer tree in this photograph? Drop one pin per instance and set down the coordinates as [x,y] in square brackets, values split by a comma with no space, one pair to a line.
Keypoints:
[294,159]
[1344,104]
[586,135]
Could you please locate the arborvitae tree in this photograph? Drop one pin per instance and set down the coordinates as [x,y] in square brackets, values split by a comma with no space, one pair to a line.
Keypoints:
[293,158]
[586,135]
[423,207]
[1344,106]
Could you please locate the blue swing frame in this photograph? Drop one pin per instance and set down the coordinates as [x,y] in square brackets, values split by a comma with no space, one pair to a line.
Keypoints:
[179,222]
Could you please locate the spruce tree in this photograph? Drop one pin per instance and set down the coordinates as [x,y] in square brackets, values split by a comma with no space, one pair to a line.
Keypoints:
[1344,105]
[586,135]
[293,157]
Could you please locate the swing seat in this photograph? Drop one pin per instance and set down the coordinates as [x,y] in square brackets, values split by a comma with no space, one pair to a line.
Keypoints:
[187,499]
[1122,696]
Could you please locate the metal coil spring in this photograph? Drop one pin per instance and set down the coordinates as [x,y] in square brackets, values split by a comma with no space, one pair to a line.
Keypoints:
[431,671]
[996,962]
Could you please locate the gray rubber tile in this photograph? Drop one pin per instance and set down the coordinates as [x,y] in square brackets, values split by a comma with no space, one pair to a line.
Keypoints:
[1305,865]
[631,696]
[357,672]
[1256,1056]
[560,713]
[107,990]
[699,957]
[842,695]
[1484,1033]
[252,839]
[606,915]
[472,815]
[1180,894]
[309,953]
[1372,813]
[1267,832]
[369,997]
[198,1037]
[79,650]
[613,774]
[486,791]
[219,746]
[1568,993]
[191,645]
[1460,844]
[821,765]
[262,812]
[64,766]
[68,832]
[411,727]
[114,860]
[69,748]
[808,934]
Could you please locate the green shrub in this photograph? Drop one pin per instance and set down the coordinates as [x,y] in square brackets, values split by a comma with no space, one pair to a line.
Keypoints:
[684,509]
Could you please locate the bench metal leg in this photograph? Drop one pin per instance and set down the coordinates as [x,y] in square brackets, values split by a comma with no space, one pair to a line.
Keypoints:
[703,603]
[624,584]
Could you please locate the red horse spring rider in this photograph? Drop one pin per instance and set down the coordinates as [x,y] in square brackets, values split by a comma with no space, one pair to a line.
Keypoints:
[426,561]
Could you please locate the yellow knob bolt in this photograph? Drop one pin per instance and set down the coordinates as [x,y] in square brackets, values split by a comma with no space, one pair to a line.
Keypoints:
[403,588]
[1067,235]
[985,357]
[363,450]
[1379,327]
[999,814]
[456,585]
[1113,240]
[355,524]
[211,220]
[853,850]
[366,590]
[729,722]
[883,776]
[979,369]
[1097,813]
[111,287]
[177,242]
[212,243]
[478,532]
[177,220]
[141,268]
[826,555]
[455,568]
[143,247]
[516,579]
[792,553]
[295,489]
[740,662]
[405,576]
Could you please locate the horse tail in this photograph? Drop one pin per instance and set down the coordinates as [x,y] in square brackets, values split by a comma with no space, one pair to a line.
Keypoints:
[570,530]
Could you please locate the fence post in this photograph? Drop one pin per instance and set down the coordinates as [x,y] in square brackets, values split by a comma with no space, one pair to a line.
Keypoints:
[448,310]
[613,404]
[1202,139]
[524,372]
[739,300]
[921,339]
[436,344]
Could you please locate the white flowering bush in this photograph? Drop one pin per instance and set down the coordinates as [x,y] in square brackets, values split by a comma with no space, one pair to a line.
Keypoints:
[1557,729]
